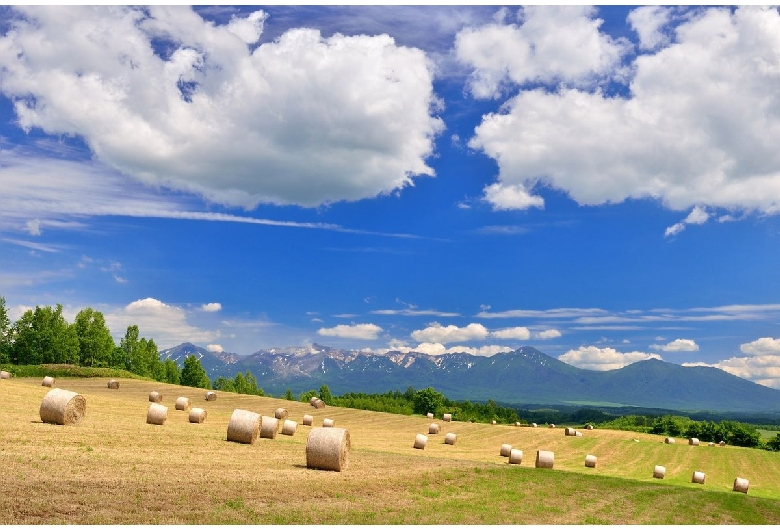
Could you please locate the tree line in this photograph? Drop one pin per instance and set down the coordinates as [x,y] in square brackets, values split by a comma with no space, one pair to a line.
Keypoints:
[43,336]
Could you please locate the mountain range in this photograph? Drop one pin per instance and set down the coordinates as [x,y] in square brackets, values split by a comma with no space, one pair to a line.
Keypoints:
[523,376]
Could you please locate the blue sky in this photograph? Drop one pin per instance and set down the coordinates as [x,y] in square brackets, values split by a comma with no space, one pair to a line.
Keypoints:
[600,183]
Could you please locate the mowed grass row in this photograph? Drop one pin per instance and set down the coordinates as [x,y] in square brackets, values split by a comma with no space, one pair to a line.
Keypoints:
[113,468]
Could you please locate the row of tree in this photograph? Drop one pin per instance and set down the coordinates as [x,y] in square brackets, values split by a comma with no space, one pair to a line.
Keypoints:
[43,336]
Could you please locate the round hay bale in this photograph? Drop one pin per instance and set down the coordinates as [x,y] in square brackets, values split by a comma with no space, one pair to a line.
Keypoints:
[722,444]
[328,449]
[113,384]
[327,422]
[48,381]
[577,433]
[269,427]
[420,441]
[569,431]
[244,426]
[551,425]
[589,427]
[197,415]
[157,414]
[183,403]
[313,400]
[155,397]
[698,477]
[515,456]
[447,417]
[741,485]
[429,415]
[693,441]
[545,459]
[505,450]
[5,375]
[668,440]
[711,444]
[319,404]
[517,424]
[211,396]
[590,461]
[659,472]
[308,419]
[288,427]
[62,407]
[493,422]
[433,428]
[449,438]
[280,413]
[534,425]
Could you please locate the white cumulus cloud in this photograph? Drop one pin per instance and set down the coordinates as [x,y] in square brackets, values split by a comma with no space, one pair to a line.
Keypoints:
[304,119]
[353,331]
[763,369]
[762,346]
[435,332]
[649,23]
[215,348]
[548,334]
[520,333]
[603,359]
[212,307]
[677,345]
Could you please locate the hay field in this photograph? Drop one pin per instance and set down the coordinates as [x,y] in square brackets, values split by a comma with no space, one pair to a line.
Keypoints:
[113,468]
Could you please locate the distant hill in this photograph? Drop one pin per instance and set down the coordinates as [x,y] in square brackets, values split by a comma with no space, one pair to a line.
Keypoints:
[523,376]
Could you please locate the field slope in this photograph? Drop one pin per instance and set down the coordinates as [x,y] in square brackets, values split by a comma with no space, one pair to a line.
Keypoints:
[113,468]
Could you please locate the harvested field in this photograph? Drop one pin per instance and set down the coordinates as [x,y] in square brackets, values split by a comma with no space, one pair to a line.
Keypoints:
[113,468]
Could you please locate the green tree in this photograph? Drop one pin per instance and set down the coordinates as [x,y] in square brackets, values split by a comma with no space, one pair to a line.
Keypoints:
[289,395]
[325,395]
[427,400]
[306,396]
[43,336]
[172,372]
[96,346]
[193,374]
[5,333]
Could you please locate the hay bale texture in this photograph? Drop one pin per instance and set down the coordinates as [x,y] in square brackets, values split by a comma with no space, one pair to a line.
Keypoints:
[280,413]
[328,449]
[268,427]
[157,414]
[493,422]
[327,422]
[534,425]
[289,427]
[698,477]
[449,438]
[589,427]
[590,461]
[551,425]
[318,403]
[62,407]
[198,415]
[505,450]
[5,375]
[244,426]
[659,472]
[155,397]
[693,441]
[447,417]
[113,384]
[211,396]
[183,403]
[741,485]
[48,381]
[668,440]
[569,431]
[308,419]
[515,456]
[577,433]
[722,444]
[433,428]
[545,459]
[429,415]
[420,441]
[313,400]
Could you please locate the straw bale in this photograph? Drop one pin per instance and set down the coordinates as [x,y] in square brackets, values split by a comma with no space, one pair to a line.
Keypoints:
[313,400]
[518,424]
[318,404]
[668,440]
[659,472]
[722,443]
[155,397]
[545,459]
[113,384]
[551,425]
[157,414]
[197,415]
[589,427]
[62,407]
[288,427]
[698,477]
[269,427]
[693,441]
[280,413]
[447,417]
[569,431]
[515,456]
[590,461]
[493,422]
[433,428]
[420,441]
[308,419]
[711,444]
[183,403]
[48,381]
[327,422]
[505,450]
[211,396]
[328,449]
[429,415]
[449,438]
[577,433]
[5,375]
[534,425]
[244,426]
[741,485]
